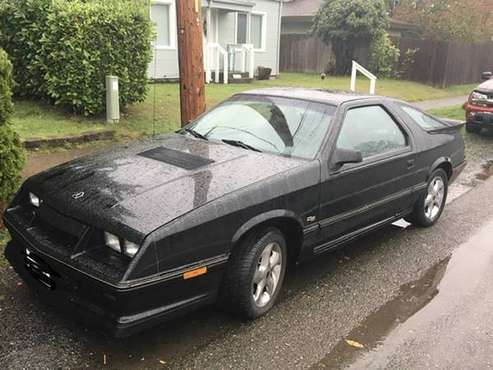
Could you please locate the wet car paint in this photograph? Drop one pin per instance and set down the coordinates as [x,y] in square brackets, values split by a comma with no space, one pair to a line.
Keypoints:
[226,204]
[211,339]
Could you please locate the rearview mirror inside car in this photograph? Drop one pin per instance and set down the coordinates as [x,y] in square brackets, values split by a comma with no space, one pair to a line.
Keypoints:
[345,156]
[486,75]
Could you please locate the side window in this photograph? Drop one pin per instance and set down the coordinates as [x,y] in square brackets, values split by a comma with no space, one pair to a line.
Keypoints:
[372,131]
[422,119]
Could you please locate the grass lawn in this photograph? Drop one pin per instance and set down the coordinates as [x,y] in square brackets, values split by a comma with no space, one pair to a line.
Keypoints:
[454,112]
[38,120]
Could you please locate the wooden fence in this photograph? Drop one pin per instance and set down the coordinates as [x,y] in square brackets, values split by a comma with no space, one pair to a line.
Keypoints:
[308,54]
[443,64]
[435,63]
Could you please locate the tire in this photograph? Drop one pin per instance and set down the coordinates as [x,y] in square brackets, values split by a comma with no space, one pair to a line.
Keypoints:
[255,259]
[425,214]
[472,128]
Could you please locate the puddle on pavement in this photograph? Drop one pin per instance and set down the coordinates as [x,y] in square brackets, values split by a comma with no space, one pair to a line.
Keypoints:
[373,330]
[443,285]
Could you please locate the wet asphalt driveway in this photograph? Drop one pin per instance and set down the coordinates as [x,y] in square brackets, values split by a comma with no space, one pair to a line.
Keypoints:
[367,292]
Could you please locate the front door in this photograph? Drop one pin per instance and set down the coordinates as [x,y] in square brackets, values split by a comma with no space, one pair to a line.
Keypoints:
[361,195]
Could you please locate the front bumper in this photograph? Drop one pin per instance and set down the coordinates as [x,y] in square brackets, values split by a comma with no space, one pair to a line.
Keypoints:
[98,305]
[478,115]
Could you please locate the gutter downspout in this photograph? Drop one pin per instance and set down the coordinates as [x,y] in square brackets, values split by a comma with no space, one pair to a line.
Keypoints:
[278,55]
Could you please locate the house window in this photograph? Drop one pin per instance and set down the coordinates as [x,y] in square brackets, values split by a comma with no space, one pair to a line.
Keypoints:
[241,28]
[160,15]
[257,31]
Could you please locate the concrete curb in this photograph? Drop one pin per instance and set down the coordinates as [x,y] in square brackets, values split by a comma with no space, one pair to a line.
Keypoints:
[77,139]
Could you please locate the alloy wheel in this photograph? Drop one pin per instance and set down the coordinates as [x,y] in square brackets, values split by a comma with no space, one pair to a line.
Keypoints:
[435,198]
[267,274]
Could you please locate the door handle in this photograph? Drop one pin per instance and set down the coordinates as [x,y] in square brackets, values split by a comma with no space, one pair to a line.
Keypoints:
[410,164]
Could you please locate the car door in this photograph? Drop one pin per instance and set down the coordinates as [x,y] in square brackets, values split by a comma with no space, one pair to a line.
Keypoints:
[361,195]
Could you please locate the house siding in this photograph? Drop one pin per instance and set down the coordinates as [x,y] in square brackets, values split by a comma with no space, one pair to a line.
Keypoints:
[165,61]
[164,64]
[270,57]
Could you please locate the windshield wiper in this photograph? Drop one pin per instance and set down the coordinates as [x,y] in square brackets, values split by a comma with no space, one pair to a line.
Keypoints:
[195,133]
[240,144]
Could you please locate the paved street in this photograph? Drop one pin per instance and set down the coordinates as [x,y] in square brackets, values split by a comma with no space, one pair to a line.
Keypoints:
[454,330]
[405,294]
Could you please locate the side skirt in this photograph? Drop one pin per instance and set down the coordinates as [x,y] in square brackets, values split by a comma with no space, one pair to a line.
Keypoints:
[336,243]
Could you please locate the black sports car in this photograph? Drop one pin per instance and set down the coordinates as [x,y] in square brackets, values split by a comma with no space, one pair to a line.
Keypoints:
[215,212]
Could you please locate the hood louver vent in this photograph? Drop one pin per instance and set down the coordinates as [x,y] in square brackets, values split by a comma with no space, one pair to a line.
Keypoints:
[176,158]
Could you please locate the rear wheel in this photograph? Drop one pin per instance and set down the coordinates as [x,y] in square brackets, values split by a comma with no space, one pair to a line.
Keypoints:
[473,128]
[255,274]
[430,205]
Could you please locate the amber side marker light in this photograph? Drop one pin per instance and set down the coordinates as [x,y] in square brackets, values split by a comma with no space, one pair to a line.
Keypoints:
[194,273]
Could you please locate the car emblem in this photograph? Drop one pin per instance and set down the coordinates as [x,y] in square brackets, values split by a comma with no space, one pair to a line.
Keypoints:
[78,195]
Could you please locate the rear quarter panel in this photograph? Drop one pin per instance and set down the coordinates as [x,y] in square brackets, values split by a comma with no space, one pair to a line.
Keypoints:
[433,148]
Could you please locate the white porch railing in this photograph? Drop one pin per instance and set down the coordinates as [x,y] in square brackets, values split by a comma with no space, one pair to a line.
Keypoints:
[216,58]
[247,58]
[213,55]
[373,79]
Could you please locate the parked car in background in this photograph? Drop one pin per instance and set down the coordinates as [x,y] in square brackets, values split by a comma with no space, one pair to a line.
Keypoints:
[479,107]
[215,212]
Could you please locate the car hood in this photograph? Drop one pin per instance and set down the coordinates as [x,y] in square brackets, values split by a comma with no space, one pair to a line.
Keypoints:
[121,188]
[486,86]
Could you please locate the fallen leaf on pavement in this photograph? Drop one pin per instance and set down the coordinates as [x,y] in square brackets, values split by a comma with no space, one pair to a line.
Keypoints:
[353,343]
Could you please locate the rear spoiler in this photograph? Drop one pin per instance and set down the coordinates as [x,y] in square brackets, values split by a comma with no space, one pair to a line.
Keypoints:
[449,124]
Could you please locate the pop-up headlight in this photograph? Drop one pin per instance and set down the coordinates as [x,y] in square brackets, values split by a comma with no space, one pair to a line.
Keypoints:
[121,246]
[130,249]
[113,242]
[34,200]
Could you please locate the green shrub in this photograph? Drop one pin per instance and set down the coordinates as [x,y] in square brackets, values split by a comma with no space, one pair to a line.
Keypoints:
[22,22]
[11,151]
[63,49]
[383,56]
[6,82]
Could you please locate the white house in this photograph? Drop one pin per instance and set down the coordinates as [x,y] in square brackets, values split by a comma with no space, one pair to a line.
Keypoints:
[239,36]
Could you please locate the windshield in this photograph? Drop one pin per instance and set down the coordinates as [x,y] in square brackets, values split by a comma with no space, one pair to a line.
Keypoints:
[283,126]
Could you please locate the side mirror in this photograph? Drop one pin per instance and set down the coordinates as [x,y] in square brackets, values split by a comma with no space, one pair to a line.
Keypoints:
[486,75]
[345,156]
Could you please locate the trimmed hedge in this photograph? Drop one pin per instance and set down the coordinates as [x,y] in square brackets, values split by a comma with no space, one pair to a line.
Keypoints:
[11,152]
[63,49]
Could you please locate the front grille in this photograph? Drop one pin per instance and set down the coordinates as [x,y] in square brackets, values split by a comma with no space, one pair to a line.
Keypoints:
[56,232]
[69,226]
[484,118]
[66,239]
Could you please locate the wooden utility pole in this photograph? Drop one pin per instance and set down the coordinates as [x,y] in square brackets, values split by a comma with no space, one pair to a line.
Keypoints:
[190,59]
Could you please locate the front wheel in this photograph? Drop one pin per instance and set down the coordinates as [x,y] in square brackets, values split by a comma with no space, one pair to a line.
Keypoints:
[255,274]
[430,205]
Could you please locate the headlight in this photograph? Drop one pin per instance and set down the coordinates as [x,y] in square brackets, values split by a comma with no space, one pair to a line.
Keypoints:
[34,200]
[478,97]
[121,246]
[113,242]
[129,248]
